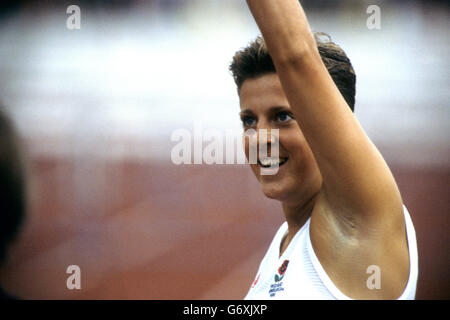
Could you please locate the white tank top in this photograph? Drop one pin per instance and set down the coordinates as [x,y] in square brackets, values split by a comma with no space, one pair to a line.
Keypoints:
[298,274]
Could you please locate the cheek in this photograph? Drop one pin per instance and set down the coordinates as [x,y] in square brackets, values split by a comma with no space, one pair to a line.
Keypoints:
[293,141]
[250,144]
[246,144]
[301,156]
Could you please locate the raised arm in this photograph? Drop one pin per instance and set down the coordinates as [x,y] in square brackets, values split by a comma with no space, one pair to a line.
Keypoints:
[357,182]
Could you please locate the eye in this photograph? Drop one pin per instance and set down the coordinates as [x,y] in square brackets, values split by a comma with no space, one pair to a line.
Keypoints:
[284,117]
[248,121]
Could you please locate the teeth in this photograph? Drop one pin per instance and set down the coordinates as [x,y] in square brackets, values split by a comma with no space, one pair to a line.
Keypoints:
[268,162]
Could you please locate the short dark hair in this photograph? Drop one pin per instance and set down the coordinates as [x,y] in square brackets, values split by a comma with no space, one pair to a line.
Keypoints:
[254,60]
[12,184]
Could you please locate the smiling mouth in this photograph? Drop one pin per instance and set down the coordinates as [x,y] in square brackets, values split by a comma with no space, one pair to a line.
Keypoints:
[268,162]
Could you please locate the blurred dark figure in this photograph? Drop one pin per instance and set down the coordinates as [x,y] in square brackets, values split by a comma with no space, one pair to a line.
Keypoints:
[12,189]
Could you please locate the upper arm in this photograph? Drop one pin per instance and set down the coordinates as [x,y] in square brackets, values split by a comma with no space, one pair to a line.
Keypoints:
[356,180]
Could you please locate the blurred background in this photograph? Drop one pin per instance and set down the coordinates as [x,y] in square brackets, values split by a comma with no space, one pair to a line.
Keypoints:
[96,108]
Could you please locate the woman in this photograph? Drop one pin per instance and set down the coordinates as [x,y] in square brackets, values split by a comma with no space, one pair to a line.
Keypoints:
[347,233]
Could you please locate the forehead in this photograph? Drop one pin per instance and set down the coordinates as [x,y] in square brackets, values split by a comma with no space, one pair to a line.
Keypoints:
[263,91]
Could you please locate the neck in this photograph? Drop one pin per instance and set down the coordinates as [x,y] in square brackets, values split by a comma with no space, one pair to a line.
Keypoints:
[297,214]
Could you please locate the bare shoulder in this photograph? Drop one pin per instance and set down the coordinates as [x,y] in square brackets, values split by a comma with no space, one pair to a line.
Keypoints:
[351,251]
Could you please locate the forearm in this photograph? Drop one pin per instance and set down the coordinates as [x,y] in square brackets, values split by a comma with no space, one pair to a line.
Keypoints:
[292,47]
[284,26]
[313,97]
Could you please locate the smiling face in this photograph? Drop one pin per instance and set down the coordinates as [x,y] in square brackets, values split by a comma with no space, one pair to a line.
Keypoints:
[265,106]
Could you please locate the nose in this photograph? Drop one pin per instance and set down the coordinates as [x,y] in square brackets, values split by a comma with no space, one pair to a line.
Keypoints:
[263,141]
[264,133]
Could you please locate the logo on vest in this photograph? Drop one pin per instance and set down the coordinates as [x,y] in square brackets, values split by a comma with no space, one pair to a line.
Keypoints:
[256,281]
[278,285]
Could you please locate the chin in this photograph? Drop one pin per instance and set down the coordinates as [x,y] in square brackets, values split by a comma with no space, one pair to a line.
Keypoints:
[274,191]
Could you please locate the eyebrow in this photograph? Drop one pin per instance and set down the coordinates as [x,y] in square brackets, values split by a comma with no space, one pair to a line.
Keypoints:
[246,112]
[271,110]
